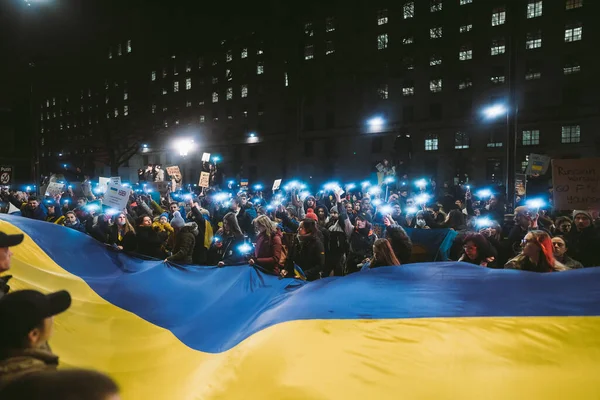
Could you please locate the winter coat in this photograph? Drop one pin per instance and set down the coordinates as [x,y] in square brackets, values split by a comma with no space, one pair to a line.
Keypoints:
[400,242]
[570,263]
[584,246]
[523,263]
[267,252]
[309,255]
[78,226]
[245,221]
[183,247]
[19,363]
[361,247]
[39,213]
[150,241]
[127,241]
[202,230]
[227,251]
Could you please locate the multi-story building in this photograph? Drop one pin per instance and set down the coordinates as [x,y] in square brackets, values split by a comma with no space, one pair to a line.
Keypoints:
[326,91]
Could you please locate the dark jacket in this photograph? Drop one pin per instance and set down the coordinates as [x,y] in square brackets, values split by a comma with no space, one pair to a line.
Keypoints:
[584,246]
[361,247]
[245,221]
[39,213]
[401,243]
[149,241]
[15,364]
[4,288]
[127,241]
[267,253]
[200,252]
[227,251]
[308,254]
[183,248]
[78,226]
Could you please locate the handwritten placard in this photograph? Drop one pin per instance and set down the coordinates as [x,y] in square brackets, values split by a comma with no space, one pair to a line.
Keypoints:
[204,179]
[576,184]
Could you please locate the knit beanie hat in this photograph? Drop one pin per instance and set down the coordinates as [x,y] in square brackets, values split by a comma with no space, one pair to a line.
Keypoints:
[334,209]
[177,221]
[311,214]
[584,212]
[165,214]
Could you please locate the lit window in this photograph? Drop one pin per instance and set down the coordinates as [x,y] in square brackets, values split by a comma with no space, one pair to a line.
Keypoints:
[129,46]
[164,91]
[229,56]
[408,90]
[110,52]
[119,50]
[329,49]
[494,139]
[116,114]
[498,47]
[286,79]
[90,91]
[498,79]
[465,53]
[244,53]
[175,70]
[463,2]
[229,94]
[164,109]
[188,103]
[215,97]
[214,62]
[260,68]
[382,16]
[202,119]
[382,91]
[571,4]
[408,10]
[408,40]
[534,9]
[188,83]
[165,123]
[329,24]
[309,52]
[435,60]
[465,83]
[531,138]
[466,28]
[228,75]
[534,40]
[461,140]
[201,103]
[435,33]
[308,29]
[435,5]
[570,134]
[125,110]
[431,142]
[532,74]
[382,41]
[105,99]
[259,51]
[572,67]
[435,85]
[244,91]
[200,62]
[61,124]
[125,97]
[153,76]
[573,32]
[498,16]
[153,108]
[176,86]
[215,80]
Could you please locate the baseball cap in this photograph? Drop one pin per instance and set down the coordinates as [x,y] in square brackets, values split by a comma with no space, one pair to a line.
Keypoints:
[365,216]
[23,310]
[10,240]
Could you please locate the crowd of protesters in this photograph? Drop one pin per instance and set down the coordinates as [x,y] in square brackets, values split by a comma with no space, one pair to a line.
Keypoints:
[335,231]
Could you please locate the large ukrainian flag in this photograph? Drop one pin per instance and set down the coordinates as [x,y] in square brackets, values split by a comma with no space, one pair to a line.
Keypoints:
[421,331]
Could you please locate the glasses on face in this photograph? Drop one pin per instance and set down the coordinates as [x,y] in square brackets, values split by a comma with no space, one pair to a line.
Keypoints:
[525,241]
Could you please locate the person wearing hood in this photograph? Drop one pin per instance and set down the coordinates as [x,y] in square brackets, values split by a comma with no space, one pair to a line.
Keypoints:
[361,243]
[268,249]
[149,239]
[121,234]
[225,249]
[72,222]
[183,241]
[584,241]
[322,215]
[310,202]
[340,228]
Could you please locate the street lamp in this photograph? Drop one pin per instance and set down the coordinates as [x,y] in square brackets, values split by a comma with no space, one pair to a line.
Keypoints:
[376,123]
[495,111]
[184,146]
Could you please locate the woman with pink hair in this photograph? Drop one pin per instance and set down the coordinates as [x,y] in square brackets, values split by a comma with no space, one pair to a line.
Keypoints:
[536,254]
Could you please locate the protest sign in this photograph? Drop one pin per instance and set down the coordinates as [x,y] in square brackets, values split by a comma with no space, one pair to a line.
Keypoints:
[115,180]
[538,164]
[103,182]
[520,184]
[174,172]
[205,157]
[117,196]
[55,188]
[6,175]
[244,184]
[204,179]
[576,184]
[276,184]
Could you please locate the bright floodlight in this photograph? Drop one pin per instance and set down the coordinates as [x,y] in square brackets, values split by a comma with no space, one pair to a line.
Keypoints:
[376,122]
[422,198]
[184,146]
[421,183]
[483,193]
[389,179]
[252,134]
[495,111]
[535,203]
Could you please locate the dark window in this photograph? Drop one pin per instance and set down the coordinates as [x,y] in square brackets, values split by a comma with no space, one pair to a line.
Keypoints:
[237,152]
[493,170]
[332,150]
[309,123]
[377,144]
[145,160]
[253,153]
[435,111]
[330,120]
[408,114]
[252,173]
[309,148]
[464,107]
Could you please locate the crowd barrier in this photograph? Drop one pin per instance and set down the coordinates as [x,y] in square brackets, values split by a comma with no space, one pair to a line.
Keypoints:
[441,330]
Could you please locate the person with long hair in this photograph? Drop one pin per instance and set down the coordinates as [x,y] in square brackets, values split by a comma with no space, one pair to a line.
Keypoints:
[122,234]
[383,256]
[536,254]
[308,251]
[267,252]
[226,243]
[477,250]
[401,243]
